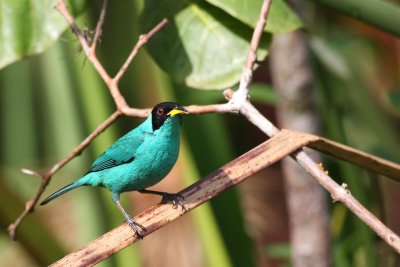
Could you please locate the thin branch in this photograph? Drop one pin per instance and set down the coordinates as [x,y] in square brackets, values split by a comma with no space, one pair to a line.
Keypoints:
[257,34]
[216,108]
[76,151]
[247,74]
[119,100]
[47,175]
[112,83]
[99,26]
[143,39]
[136,112]
[193,109]
[342,194]
[62,8]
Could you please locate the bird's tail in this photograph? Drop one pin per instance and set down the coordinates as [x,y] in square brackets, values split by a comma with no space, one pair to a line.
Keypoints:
[63,190]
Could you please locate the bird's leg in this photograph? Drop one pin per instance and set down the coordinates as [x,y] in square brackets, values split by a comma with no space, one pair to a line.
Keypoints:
[176,199]
[132,223]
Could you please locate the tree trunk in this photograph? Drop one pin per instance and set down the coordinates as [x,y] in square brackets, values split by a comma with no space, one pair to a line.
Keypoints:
[308,214]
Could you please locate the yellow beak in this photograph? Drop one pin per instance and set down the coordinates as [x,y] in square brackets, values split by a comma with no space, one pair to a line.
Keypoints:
[178,112]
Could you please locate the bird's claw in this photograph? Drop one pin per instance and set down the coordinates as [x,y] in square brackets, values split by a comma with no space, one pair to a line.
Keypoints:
[176,200]
[135,226]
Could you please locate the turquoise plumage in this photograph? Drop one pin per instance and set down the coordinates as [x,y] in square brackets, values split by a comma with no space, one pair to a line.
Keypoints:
[138,160]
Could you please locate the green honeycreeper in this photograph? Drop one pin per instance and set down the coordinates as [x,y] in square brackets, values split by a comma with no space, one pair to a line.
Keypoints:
[138,160]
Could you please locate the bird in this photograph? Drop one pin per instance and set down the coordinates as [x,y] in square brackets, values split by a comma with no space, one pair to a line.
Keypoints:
[139,159]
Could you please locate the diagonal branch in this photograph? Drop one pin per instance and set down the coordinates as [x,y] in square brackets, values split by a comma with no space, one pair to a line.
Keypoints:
[247,74]
[99,26]
[62,8]
[281,145]
[112,83]
[143,39]
[257,34]
[47,175]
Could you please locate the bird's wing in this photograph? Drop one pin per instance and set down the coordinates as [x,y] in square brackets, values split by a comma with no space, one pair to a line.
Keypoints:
[121,152]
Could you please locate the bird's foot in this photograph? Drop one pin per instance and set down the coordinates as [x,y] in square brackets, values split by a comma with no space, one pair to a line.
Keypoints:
[135,226]
[176,200]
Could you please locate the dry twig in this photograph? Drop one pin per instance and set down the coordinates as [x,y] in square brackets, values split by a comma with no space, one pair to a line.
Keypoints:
[99,26]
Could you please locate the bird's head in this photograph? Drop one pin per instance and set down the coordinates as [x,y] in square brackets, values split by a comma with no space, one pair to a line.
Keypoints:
[165,110]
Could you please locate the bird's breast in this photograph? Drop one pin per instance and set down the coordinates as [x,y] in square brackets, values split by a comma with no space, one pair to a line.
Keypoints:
[154,160]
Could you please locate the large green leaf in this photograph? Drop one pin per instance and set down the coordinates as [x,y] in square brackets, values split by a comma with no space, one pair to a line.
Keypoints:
[202,46]
[281,17]
[28,27]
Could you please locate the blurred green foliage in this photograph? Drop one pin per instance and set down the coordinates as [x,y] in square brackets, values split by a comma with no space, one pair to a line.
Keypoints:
[281,18]
[50,102]
[30,27]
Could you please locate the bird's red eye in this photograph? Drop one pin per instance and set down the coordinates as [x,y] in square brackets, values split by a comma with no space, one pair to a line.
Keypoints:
[160,111]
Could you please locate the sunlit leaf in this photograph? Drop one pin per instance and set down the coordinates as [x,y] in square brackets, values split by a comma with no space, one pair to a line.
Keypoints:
[28,27]
[281,17]
[202,46]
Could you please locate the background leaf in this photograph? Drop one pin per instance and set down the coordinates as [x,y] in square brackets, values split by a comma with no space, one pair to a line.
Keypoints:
[202,46]
[281,18]
[29,27]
